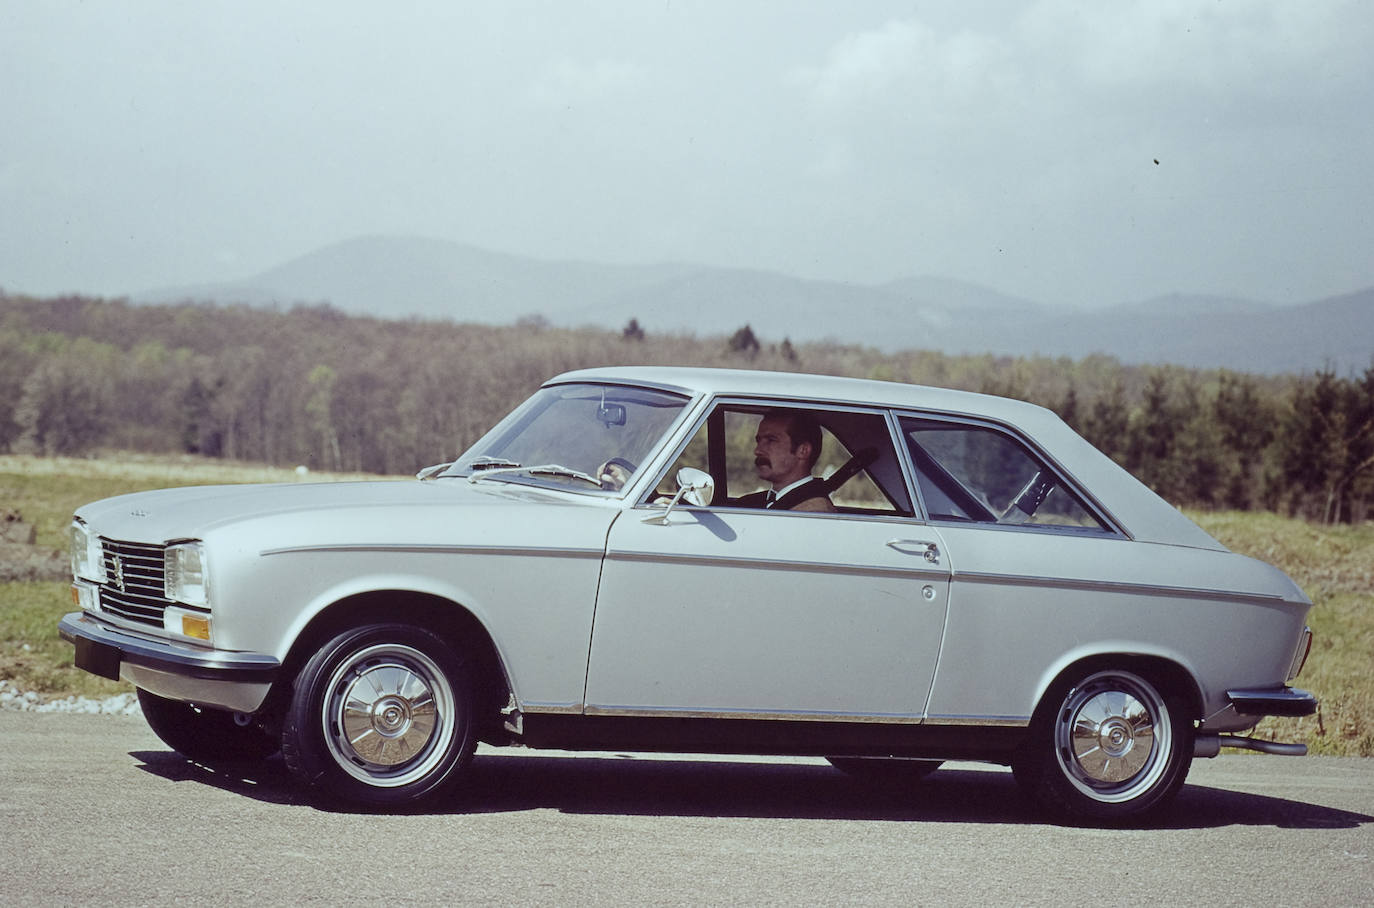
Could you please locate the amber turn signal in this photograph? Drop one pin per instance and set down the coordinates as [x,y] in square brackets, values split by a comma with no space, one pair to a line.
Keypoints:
[195,627]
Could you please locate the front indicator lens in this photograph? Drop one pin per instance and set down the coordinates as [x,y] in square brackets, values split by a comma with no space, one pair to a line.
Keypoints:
[197,627]
[188,576]
[181,624]
[86,596]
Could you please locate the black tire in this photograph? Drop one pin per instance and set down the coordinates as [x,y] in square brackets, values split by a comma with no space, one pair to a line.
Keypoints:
[381,715]
[205,735]
[885,770]
[1107,747]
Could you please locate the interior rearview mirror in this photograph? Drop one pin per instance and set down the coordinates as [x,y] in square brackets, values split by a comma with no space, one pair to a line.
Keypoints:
[611,414]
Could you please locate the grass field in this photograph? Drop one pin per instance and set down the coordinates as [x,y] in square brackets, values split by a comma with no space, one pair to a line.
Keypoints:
[1335,565]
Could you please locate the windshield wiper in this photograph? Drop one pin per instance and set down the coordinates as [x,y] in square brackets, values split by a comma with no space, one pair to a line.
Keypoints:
[432,471]
[491,463]
[550,469]
[481,463]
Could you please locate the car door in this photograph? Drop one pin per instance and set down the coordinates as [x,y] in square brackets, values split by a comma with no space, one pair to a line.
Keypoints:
[1031,556]
[724,611]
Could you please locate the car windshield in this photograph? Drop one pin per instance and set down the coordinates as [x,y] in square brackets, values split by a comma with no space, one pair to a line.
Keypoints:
[580,436]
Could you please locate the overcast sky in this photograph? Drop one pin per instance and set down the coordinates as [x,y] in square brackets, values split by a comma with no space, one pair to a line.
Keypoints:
[1065,150]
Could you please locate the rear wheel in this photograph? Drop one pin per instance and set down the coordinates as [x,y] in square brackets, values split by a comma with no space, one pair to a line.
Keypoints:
[1114,746]
[380,715]
[205,735]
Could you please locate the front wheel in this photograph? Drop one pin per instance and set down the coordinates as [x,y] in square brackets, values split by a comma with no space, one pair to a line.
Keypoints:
[1116,746]
[205,735]
[380,715]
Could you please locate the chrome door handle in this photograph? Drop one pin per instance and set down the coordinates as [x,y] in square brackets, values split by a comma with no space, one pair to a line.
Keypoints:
[929,550]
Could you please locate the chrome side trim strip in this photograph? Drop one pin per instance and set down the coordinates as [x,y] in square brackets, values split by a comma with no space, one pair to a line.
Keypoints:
[804,716]
[999,721]
[545,552]
[638,712]
[759,564]
[557,709]
[1107,586]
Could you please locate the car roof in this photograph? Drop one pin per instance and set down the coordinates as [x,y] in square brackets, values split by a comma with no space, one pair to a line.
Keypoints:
[805,386]
[1143,514]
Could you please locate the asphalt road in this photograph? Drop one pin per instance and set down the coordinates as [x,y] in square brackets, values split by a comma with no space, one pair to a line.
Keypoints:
[94,809]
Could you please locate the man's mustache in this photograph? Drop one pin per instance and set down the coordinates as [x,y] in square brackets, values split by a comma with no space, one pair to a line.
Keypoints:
[762,462]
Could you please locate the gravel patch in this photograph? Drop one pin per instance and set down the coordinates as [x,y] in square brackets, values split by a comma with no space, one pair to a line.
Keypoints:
[11,697]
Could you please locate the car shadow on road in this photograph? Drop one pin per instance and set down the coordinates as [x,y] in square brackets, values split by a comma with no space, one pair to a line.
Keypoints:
[267,781]
[637,786]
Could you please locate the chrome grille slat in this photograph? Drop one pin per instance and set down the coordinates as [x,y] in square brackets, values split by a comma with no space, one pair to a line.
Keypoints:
[142,570]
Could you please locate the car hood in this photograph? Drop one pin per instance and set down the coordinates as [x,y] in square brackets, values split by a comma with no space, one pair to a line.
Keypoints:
[167,515]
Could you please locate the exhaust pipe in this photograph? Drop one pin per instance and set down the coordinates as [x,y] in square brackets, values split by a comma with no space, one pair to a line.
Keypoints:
[1211,745]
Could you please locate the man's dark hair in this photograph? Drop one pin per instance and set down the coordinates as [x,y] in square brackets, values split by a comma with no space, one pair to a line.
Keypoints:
[802,428]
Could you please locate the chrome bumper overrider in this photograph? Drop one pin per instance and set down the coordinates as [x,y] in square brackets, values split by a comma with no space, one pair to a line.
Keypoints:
[1253,702]
[1273,701]
[206,677]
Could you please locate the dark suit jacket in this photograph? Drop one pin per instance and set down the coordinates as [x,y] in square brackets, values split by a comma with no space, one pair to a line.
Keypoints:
[804,492]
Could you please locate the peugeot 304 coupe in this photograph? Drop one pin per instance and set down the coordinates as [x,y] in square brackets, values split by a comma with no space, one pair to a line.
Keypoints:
[962,578]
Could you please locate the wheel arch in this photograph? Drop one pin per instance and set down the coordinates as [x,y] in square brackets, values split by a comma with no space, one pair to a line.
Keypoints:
[1166,673]
[449,619]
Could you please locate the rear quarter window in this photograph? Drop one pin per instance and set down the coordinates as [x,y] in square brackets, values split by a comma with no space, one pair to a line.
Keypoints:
[979,474]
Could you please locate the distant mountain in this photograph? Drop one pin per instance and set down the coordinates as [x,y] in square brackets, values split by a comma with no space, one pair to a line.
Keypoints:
[400,277]
[1186,305]
[961,296]
[1213,332]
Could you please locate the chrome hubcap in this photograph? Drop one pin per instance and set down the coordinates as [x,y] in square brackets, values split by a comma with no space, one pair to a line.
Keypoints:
[1113,737]
[389,716]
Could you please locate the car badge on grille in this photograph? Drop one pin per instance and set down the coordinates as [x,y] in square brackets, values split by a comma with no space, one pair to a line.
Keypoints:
[117,575]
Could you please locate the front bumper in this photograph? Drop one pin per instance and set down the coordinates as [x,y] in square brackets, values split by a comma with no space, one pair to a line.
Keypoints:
[206,677]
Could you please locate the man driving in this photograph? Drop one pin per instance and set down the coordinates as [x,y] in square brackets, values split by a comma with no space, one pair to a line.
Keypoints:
[787,445]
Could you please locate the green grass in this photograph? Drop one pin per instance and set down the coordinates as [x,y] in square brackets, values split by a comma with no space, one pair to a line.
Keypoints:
[1335,565]
[46,490]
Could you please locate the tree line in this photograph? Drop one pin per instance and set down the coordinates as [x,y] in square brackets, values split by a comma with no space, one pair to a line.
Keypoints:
[310,385]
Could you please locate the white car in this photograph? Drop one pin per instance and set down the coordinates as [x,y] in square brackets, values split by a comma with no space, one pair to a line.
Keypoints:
[983,584]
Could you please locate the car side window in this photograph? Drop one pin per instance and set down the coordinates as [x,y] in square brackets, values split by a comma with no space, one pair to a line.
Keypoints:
[856,454]
[974,473]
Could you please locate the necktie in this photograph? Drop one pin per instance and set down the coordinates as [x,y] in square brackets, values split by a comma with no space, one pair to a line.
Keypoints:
[770,499]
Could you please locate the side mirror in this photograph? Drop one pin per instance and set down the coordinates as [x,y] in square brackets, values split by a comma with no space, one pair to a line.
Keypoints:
[695,487]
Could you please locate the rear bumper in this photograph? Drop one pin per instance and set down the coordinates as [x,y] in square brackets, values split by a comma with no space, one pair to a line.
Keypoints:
[206,677]
[1272,701]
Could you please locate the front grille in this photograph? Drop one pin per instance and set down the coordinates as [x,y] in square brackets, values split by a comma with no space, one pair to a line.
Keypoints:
[133,588]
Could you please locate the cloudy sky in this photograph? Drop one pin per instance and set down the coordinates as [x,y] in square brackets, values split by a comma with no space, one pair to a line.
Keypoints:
[1069,151]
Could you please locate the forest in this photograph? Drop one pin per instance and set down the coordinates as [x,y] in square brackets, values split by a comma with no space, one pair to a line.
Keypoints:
[312,386]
